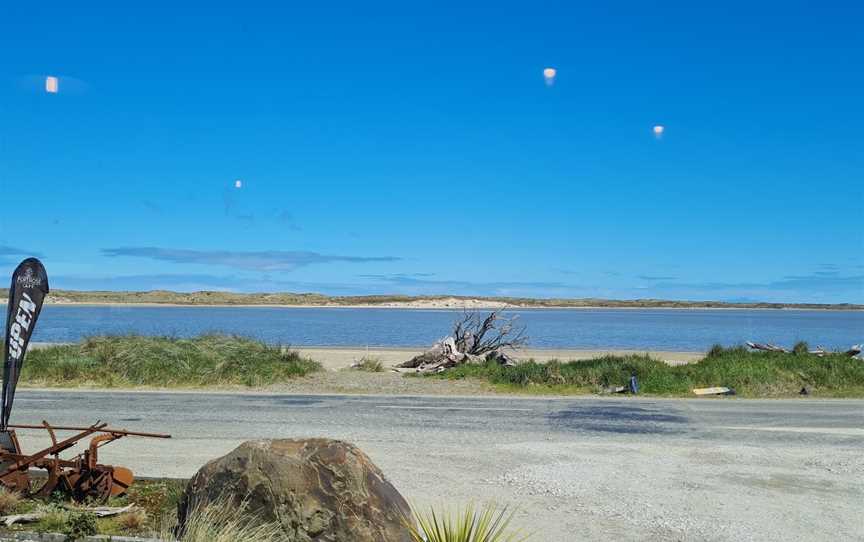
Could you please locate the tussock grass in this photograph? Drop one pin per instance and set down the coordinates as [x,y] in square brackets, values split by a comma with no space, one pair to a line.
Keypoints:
[223,520]
[751,374]
[135,360]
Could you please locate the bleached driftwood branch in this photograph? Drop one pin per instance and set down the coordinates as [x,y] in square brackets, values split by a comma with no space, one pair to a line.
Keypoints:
[474,340]
[767,347]
[853,351]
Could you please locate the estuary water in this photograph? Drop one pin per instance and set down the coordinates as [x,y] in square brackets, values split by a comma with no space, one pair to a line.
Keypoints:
[648,329]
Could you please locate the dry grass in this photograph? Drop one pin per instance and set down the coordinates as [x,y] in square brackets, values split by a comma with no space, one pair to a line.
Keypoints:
[133,520]
[9,501]
[370,365]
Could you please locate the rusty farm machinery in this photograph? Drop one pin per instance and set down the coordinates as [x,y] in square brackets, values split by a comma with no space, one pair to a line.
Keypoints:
[80,477]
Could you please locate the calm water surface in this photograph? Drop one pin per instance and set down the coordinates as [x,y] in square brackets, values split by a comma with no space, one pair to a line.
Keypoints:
[650,329]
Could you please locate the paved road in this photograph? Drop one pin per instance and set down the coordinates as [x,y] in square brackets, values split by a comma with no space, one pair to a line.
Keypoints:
[581,468]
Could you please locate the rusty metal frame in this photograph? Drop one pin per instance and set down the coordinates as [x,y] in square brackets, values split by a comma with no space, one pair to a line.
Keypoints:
[82,476]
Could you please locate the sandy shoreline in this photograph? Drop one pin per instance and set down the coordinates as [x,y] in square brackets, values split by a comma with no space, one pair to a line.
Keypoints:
[335,358]
[415,305]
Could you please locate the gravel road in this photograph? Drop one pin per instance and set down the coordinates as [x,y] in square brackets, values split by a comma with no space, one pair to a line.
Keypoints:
[576,468]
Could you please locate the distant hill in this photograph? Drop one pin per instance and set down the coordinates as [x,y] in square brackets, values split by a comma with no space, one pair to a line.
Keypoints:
[436,301]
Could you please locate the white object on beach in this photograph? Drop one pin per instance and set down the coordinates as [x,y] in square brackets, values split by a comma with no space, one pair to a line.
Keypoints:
[711,391]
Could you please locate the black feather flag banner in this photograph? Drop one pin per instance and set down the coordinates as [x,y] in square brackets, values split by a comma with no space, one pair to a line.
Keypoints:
[28,291]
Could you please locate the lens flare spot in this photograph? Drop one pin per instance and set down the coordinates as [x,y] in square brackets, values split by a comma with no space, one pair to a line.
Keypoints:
[658,130]
[52,85]
[549,76]
[238,184]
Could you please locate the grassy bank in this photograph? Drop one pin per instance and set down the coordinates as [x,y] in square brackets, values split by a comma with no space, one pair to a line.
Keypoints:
[220,360]
[134,360]
[751,374]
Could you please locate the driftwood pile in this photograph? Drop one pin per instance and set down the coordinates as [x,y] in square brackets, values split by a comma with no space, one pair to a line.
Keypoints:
[820,351]
[474,340]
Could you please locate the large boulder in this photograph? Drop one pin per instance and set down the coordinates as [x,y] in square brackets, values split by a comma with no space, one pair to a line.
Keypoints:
[316,489]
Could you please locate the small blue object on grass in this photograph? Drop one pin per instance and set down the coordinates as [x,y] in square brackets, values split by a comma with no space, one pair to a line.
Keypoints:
[634,385]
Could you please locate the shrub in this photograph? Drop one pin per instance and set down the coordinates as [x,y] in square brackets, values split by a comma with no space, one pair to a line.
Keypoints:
[468,525]
[800,348]
[80,525]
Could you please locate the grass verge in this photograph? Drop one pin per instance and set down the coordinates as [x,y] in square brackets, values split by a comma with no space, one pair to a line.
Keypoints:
[155,507]
[751,374]
[134,360]
[154,515]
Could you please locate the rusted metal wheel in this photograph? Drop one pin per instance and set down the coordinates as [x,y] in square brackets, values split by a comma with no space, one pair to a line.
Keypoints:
[94,485]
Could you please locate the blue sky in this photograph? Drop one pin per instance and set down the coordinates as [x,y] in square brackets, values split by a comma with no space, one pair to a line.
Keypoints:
[400,148]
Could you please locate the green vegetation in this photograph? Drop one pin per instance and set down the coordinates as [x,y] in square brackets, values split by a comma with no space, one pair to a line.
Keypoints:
[154,514]
[155,506]
[751,374]
[288,298]
[801,348]
[55,520]
[220,360]
[157,499]
[80,525]
[467,525]
[134,360]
